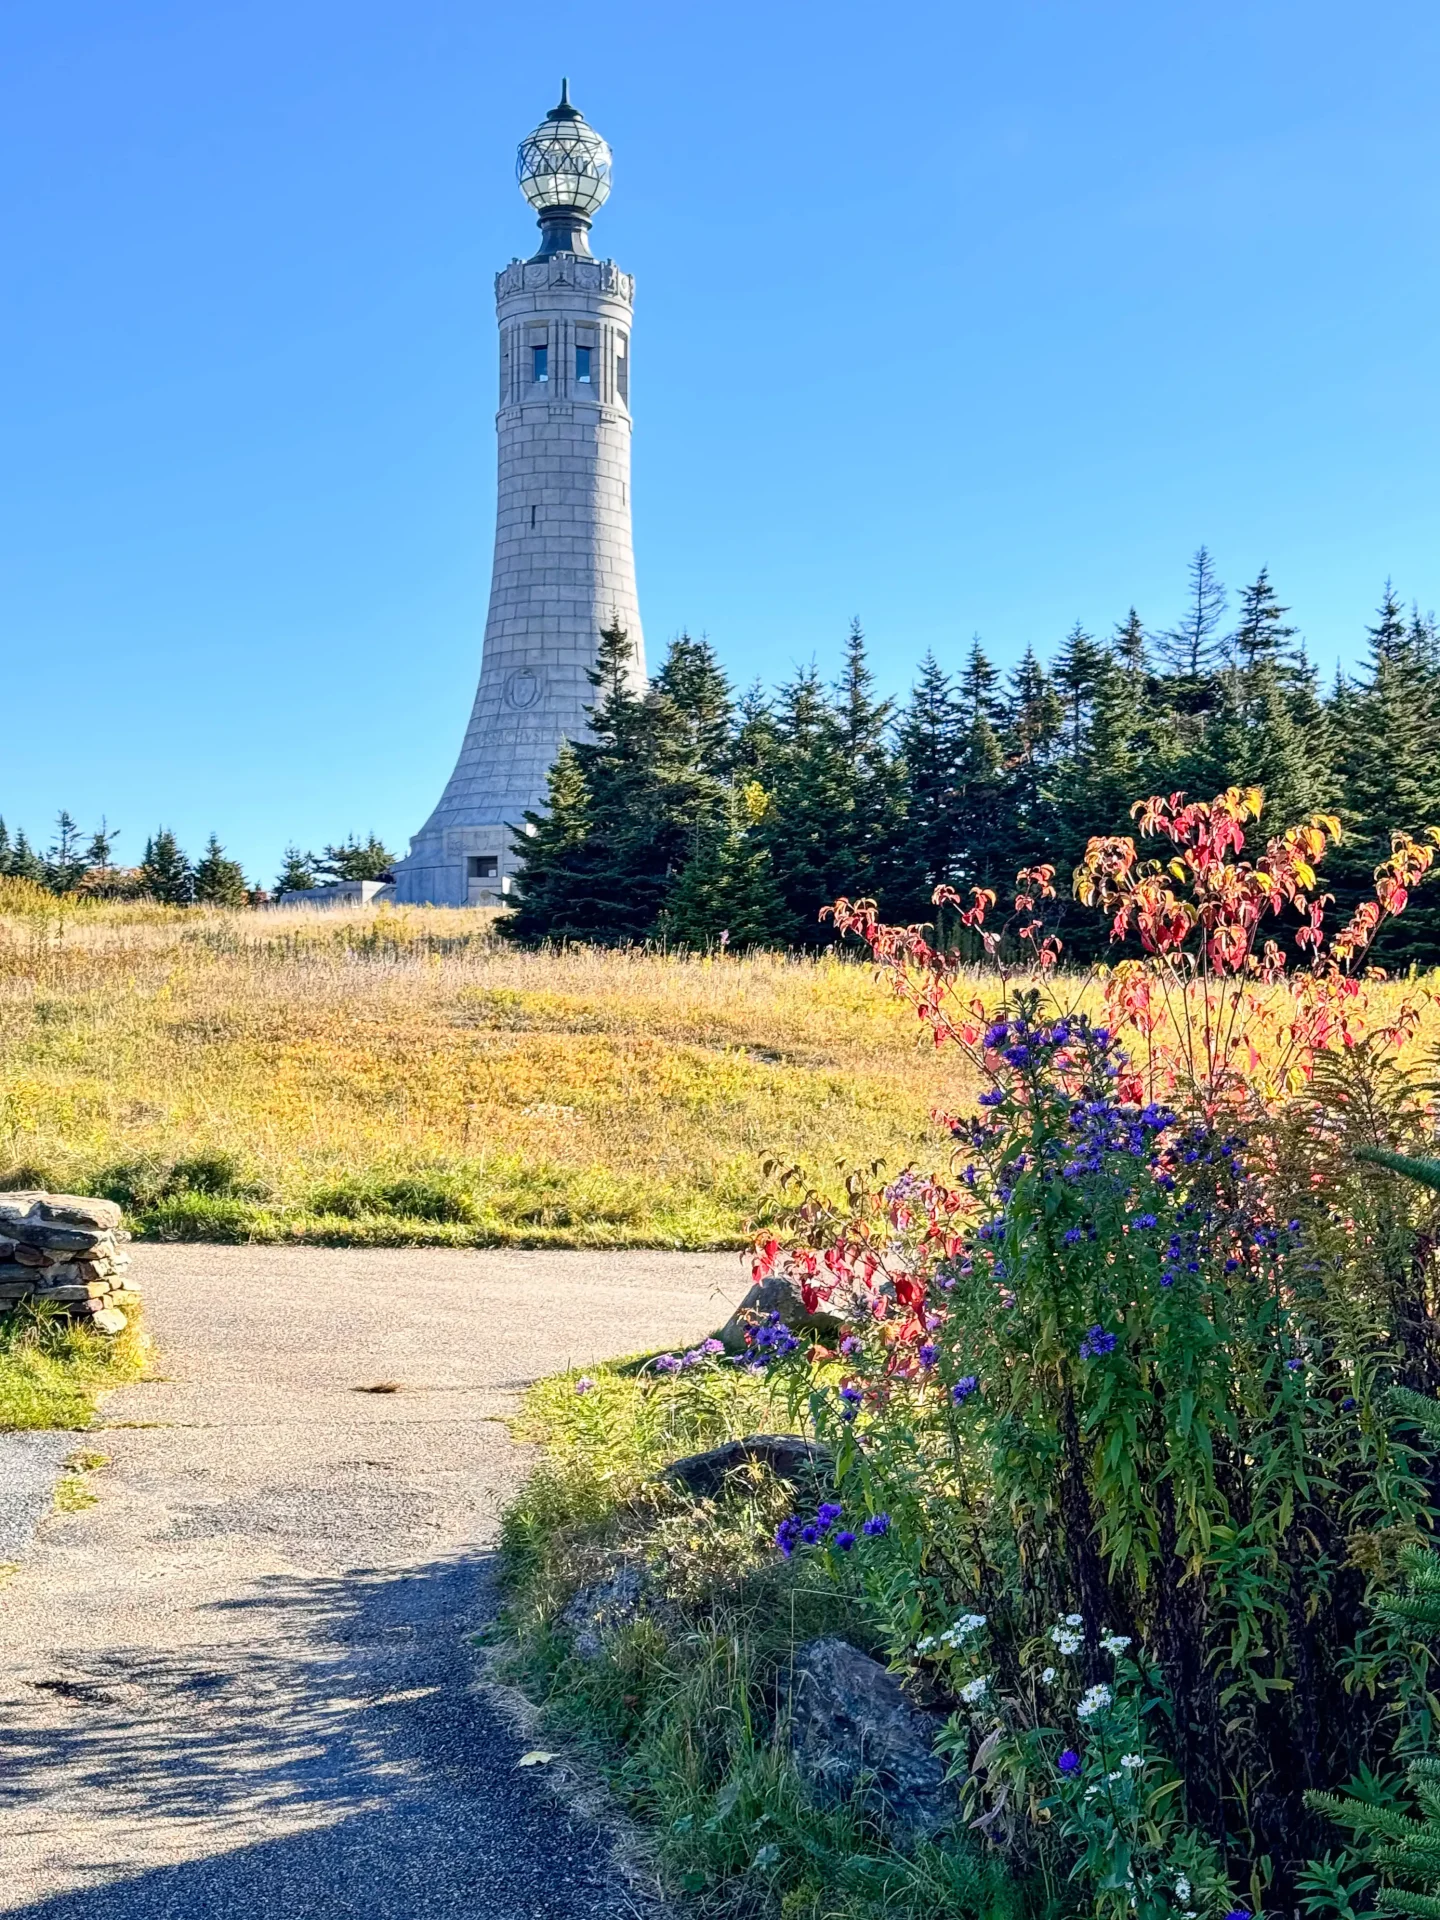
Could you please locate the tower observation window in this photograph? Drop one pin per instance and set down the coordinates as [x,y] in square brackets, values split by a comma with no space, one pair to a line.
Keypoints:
[483,866]
[540,358]
[582,366]
[622,372]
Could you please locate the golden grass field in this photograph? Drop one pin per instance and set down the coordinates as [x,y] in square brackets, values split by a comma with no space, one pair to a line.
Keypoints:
[389,1077]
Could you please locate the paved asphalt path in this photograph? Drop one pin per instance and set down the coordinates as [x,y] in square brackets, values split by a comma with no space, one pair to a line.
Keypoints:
[241,1684]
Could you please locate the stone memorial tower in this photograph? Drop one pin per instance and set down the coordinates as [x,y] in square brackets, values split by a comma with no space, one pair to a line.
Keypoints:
[564,563]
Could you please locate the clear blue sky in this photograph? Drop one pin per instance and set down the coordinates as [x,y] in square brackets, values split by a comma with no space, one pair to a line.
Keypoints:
[956,317]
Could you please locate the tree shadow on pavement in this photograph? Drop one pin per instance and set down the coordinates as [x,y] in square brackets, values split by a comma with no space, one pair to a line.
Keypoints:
[326,1755]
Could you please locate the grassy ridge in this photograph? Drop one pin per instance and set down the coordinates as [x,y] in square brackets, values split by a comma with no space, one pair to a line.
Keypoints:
[403,1078]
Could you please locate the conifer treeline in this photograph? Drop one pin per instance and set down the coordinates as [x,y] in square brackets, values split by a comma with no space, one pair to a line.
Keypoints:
[695,817]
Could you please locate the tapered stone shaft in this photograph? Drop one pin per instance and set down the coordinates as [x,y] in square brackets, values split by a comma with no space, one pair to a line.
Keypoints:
[564,559]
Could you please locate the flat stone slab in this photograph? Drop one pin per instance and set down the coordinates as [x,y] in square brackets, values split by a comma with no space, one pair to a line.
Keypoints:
[30,1465]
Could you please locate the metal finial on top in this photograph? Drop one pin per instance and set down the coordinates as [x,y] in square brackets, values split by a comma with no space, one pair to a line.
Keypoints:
[564,111]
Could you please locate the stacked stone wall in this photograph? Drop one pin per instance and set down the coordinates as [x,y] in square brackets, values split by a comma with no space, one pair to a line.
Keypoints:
[63,1250]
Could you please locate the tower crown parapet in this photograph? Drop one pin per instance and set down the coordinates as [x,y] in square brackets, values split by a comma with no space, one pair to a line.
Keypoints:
[549,272]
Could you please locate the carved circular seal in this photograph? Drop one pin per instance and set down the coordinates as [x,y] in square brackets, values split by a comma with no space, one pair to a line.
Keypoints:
[523,689]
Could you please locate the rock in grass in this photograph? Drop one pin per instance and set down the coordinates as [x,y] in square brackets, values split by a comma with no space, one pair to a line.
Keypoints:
[613,1602]
[109,1320]
[780,1294]
[852,1730]
[787,1455]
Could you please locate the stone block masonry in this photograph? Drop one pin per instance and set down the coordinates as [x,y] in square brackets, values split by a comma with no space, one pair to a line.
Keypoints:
[564,567]
[64,1250]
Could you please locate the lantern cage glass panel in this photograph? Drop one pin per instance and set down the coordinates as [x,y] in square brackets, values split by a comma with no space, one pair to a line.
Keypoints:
[564,163]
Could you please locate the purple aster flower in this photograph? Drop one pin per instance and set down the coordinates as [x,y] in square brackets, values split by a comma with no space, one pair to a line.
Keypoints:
[928,1354]
[829,1512]
[786,1534]
[962,1389]
[1069,1761]
[1347,1404]
[1071,1235]
[852,1396]
[1238,1913]
[993,1098]
[668,1363]
[1167,1279]
[1293,1366]
[711,1346]
[1097,1343]
[1142,1221]
[844,1541]
[1000,1031]
[877,1524]
[584,1384]
[850,1344]
[810,1533]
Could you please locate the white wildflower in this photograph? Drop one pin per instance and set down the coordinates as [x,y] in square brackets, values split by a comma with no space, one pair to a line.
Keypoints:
[968,1623]
[1132,1761]
[975,1690]
[1090,1792]
[1066,1640]
[1047,1678]
[1116,1775]
[1095,1700]
[1182,1889]
[927,1645]
[1115,1642]
[1074,1619]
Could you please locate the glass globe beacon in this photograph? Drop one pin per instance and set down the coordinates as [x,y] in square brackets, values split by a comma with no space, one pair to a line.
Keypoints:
[564,164]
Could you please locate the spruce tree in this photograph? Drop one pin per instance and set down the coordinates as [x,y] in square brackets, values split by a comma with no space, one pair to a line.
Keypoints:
[982,835]
[931,736]
[24,862]
[1261,634]
[355,859]
[693,680]
[808,824]
[725,894]
[165,872]
[297,871]
[219,881]
[65,862]
[1191,647]
[641,795]
[100,854]
[877,798]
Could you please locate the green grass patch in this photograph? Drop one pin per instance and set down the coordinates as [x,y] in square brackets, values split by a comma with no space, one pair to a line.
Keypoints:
[682,1709]
[51,1369]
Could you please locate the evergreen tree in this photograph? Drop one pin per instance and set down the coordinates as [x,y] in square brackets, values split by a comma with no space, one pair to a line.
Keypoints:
[693,680]
[982,838]
[808,824]
[1261,634]
[876,784]
[100,854]
[1388,759]
[932,739]
[1191,647]
[24,863]
[355,859]
[218,881]
[726,892]
[1077,676]
[65,863]
[297,871]
[166,872]
[623,811]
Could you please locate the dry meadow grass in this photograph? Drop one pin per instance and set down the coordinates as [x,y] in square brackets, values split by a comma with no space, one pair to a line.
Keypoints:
[403,1076]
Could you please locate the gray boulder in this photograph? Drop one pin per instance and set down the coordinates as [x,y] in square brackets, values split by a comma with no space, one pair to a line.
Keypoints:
[787,1455]
[780,1294]
[852,1729]
[595,1611]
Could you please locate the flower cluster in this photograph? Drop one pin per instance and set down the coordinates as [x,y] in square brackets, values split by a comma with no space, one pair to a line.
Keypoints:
[682,1362]
[1097,1343]
[954,1637]
[794,1532]
[770,1340]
